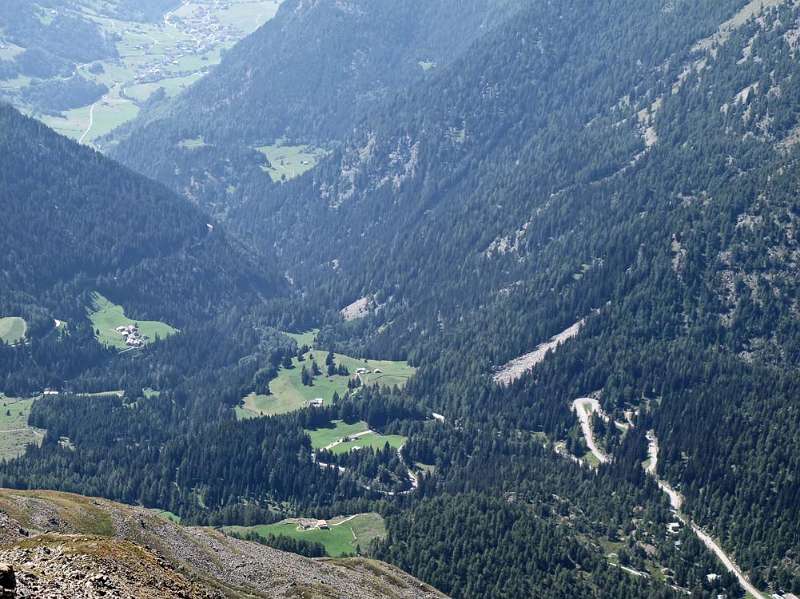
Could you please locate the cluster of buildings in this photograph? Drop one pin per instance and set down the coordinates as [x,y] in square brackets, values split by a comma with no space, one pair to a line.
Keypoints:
[320,524]
[132,336]
[204,32]
[367,371]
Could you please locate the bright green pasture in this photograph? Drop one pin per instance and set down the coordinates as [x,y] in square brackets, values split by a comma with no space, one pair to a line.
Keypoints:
[106,316]
[15,433]
[13,329]
[306,338]
[322,437]
[288,393]
[341,538]
[373,440]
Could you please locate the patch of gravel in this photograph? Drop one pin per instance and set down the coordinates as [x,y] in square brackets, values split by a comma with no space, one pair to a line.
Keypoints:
[358,309]
[517,367]
[70,567]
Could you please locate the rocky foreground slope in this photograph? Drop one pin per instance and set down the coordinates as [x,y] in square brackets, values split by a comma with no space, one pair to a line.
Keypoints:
[63,545]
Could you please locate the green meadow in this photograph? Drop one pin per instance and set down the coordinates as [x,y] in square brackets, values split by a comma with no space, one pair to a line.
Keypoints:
[327,436]
[289,162]
[308,338]
[288,393]
[15,433]
[322,437]
[106,316]
[12,329]
[373,440]
[167,515]
[192,143]
[343,536]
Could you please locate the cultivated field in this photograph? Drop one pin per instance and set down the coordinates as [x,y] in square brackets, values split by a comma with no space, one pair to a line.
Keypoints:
[15,433]
[342,537]
[106,316]
[12,329]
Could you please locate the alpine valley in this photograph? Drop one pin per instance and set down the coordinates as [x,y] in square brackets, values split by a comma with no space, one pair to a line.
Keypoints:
[469,298]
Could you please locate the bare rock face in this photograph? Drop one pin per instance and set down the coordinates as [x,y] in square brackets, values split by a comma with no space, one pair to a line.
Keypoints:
[82,567]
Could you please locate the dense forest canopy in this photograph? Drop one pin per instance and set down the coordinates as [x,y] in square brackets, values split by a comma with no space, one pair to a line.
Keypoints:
[75,223]
[486,176]
[307,93]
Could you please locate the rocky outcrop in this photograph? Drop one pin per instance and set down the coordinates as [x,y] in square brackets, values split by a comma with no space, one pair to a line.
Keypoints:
[89,567]
[69,546]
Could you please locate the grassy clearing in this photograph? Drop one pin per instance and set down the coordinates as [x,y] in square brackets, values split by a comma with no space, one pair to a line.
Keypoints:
[141,92]
[540,437]
[343,537]
[13,329]
[106,394]
[590,459]
[192,143]
[111,111]
[15,85]
[287,392]
[308,338]
[71,123]
[289,162]
[429,469]
[15,433]
[109,114]
[106,316]
[255,405]
[373,440]
[322,437]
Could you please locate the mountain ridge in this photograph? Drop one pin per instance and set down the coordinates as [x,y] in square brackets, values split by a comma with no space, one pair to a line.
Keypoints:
[136,553]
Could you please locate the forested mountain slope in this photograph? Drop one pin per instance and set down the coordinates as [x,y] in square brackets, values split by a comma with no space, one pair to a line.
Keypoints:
[484,171]
[75,223]
[652,181]
[303,78]
[624,173]
[75,218]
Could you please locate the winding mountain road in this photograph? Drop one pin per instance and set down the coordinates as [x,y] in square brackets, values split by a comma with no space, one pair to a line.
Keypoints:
[676,501]
[675,498]
[91,124]
[584,407]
